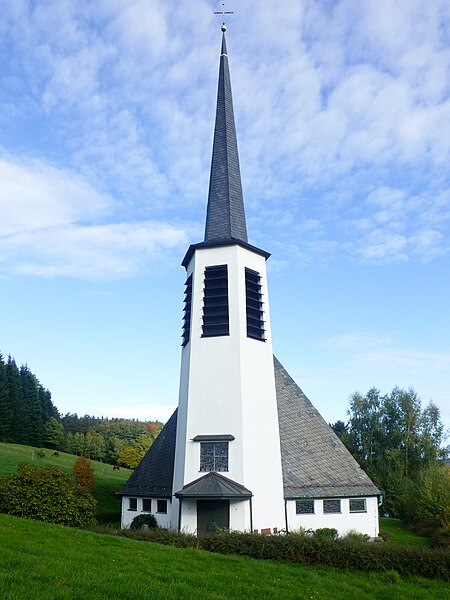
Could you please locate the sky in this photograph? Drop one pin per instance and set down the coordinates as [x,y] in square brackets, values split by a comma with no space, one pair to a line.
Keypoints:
[343,121]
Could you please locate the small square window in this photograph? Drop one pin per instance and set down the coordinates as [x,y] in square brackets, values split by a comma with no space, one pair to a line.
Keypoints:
[161,506]
[147,504]
[358,505]
[304,507]
[331,506]
[132,504]
[214,456]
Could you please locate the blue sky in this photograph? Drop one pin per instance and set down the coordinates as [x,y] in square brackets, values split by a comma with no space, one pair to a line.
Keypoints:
[343,120]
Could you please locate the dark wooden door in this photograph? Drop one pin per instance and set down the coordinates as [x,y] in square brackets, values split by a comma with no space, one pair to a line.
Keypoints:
[212,514]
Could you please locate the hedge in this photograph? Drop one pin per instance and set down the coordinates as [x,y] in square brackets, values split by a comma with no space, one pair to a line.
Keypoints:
[307,550]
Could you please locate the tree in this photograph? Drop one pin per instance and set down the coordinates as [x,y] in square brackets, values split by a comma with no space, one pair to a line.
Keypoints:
[54,434]
[46,494]
[15,395]
[6,412]
[393,439]
[129,457]
[431,499]
[84,473]
[34,425]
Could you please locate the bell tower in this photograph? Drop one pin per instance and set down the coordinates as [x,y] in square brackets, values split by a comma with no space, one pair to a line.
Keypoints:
[227,469]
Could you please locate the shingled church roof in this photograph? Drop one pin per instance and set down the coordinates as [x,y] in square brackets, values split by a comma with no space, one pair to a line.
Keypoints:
[315,462]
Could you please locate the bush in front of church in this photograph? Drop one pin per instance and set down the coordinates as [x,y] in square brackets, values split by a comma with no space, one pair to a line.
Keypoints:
[46,494]
[141,520]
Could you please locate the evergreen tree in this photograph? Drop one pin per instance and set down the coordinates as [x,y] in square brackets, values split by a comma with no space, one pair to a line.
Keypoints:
[19,418]
[6,412]
[34,418]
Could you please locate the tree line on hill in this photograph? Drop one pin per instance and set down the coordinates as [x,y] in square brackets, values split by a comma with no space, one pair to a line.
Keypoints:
[28,416]
[399,445]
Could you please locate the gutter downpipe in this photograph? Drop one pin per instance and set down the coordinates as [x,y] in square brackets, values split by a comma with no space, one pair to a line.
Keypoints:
[180,500]
[286,515]
[251,515]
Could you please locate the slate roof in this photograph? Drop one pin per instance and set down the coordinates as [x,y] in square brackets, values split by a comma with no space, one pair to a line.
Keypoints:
[225,216]
[214,485]
[154,474]
[314,460]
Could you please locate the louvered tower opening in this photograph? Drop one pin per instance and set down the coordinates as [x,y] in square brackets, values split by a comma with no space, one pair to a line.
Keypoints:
[187,311]
[254,303]
[215,302]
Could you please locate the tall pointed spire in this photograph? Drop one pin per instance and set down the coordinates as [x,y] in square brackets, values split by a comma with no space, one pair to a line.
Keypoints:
[225,217]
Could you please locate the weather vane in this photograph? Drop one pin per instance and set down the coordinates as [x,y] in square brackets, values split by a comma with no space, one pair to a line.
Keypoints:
[223,12]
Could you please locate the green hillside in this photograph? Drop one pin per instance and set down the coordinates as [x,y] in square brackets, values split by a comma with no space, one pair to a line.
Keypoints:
[108,481]
[51,562]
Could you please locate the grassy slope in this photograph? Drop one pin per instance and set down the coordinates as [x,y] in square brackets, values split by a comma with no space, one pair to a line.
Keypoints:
[50,562]
[399,534]
[108,481]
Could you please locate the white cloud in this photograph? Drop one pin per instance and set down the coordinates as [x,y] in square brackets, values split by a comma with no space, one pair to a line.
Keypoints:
[35,194]
[49,226]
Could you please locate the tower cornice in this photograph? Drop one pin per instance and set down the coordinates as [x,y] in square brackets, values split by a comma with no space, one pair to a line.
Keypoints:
[193,247]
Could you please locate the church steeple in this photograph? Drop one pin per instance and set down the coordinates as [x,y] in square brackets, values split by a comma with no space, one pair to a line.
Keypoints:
[225,217]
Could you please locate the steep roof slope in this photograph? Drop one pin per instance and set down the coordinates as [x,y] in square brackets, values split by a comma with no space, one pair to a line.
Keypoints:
[314,460]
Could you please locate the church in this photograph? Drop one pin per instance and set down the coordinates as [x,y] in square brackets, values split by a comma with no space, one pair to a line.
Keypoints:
[245,449]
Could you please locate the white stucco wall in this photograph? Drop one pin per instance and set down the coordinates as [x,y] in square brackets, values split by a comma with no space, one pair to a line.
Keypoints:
[163,519]
[344,521]
[227,386]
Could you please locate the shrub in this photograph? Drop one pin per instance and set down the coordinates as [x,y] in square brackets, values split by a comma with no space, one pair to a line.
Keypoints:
[145,519]
[328,533]
[84,473]
[441,538]
[384,535]
[355,536]
[46,494]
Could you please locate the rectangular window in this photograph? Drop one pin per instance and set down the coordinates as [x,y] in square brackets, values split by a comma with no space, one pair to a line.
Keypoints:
[331,506]
[132,503]
[161,506]
[358,505]
[147,504]
[254,304]
[214,456]
[215,302]
[187,311]
[304,507]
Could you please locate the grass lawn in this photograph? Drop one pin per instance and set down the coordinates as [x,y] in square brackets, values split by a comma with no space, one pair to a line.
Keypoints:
[399,534]
[50,562]
[107,481]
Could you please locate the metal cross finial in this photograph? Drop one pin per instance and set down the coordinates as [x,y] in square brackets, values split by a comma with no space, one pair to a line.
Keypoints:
[223,11]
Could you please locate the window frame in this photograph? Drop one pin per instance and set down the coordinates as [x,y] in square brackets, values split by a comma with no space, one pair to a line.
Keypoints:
[144,501]
[329,501]
[161,502]
[132,504]
[353,511]
[304,502]
[215,457]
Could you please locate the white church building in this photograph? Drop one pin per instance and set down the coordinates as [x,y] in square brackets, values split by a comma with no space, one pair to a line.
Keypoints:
[245,449]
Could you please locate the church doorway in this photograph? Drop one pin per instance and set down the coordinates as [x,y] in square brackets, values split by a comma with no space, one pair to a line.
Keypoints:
[212,515]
